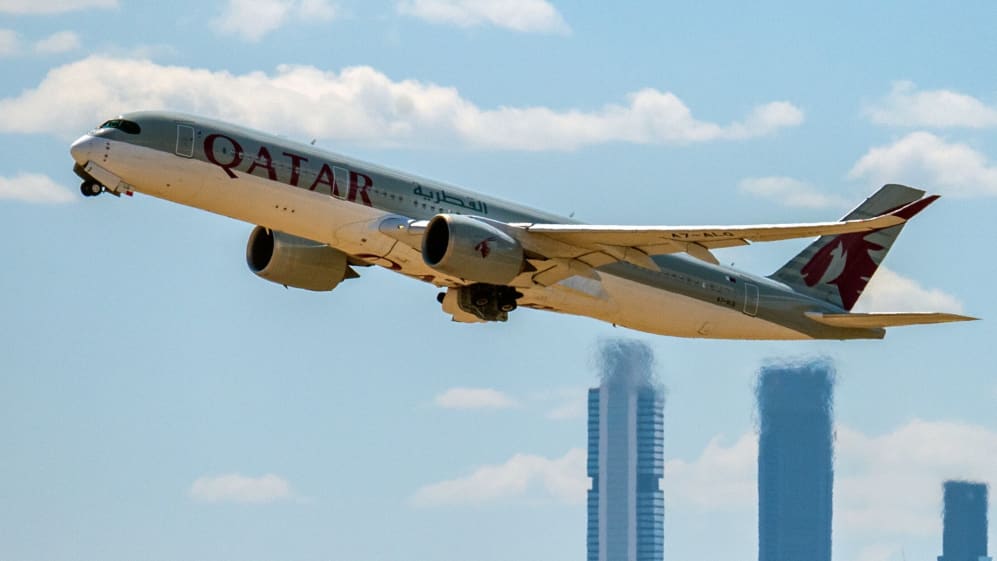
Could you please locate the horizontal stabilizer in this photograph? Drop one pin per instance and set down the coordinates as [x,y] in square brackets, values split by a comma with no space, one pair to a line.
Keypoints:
[869,321]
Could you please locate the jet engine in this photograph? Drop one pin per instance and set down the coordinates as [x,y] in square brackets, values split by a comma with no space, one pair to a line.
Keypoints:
[471,249]
[298,262]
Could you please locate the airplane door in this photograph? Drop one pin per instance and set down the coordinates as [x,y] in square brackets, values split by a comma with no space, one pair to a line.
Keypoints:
[750,299]
[177,180]
[185,141]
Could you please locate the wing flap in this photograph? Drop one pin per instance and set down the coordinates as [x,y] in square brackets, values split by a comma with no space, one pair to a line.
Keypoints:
[897,319]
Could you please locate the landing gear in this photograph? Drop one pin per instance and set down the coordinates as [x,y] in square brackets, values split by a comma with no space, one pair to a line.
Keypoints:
[91,189]
[488,302]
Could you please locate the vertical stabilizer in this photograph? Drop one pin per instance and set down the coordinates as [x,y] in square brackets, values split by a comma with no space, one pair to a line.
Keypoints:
[837,269]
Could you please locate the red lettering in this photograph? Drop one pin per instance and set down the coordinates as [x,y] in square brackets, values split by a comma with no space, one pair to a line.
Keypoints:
[295,167]
[356,188]
[264,156]
[324,177]
[209,152]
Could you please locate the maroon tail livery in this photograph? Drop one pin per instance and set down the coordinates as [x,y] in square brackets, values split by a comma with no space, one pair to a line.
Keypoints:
[838,268]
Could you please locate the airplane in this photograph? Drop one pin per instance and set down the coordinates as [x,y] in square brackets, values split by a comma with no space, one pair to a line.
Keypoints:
[319,216]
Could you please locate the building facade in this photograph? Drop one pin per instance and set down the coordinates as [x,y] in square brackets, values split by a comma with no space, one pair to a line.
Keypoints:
[964,534]
[626,460]
[795,453]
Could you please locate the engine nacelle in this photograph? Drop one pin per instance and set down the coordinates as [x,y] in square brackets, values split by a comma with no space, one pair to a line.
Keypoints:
[293,261]
[471,249]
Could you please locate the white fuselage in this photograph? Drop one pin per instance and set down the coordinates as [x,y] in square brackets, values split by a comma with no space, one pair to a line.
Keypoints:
[354,229]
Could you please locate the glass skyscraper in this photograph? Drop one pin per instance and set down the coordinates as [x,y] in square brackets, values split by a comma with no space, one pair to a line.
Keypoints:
[795,452]
[626,506]
[964,537]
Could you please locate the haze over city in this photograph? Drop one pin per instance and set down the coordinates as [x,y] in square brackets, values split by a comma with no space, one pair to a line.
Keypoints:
[157,400]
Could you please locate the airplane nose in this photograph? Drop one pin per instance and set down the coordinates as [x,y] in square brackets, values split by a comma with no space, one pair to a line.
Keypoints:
[83,149]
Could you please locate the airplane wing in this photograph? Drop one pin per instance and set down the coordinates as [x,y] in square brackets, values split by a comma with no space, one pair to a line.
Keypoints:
[596,245]
[559,251]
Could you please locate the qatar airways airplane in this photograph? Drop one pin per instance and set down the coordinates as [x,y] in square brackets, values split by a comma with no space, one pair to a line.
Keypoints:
[320,216]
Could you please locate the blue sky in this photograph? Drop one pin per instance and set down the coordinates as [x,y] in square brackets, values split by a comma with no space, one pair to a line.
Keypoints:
[158,401]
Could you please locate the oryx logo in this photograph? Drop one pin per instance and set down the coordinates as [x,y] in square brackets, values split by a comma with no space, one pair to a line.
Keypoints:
[846,262]
[484,247]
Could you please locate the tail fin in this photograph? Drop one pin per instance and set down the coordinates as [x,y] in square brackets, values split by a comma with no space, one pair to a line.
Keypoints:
[837,269]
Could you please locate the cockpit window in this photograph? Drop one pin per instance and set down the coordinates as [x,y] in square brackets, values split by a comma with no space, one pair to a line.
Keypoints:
[123,125]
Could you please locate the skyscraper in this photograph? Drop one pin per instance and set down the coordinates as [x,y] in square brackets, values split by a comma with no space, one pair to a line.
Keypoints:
[626,506]
[795,452]
[964,537]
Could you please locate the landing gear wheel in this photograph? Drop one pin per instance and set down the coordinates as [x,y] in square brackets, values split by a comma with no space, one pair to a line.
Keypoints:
[507,299]
[488,302]
[91,189]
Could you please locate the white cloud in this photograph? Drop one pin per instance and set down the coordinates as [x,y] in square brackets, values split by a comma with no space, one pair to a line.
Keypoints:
[52,6]
[722,478]
[523,476]
[906,106]
[474,398]
[10,43]
[891,484]
[236,488]
[921,158]
[789,192]
[537,16]
[59,42]
[889,291]
[358,104]
[650,117]
[252,19]
[34,188]
[887,487]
